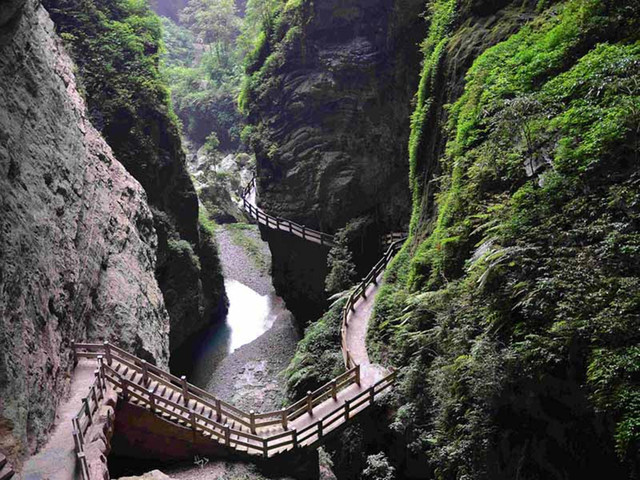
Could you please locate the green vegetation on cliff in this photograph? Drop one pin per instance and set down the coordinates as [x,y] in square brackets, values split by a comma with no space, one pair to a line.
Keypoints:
[513,307]
[318,358]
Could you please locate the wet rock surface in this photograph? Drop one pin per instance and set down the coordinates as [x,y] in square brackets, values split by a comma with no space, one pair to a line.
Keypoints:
[145,138]
[77,238]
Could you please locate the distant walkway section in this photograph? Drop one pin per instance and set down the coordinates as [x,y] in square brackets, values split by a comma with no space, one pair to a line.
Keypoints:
[276,223]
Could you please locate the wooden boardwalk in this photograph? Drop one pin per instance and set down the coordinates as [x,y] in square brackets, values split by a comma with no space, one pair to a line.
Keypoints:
[250,205]
[304,424]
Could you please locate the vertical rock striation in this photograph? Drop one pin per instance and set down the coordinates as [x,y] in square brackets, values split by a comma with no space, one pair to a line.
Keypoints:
[77,238]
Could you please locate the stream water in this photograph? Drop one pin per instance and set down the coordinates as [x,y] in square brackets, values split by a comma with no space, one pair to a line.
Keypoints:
[250,315]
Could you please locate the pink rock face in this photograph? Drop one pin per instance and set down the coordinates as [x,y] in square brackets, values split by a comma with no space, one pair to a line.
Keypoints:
[77,242]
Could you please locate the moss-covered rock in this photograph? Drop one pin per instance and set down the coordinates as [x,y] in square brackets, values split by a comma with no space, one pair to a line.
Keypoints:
[328,99]
[512,308]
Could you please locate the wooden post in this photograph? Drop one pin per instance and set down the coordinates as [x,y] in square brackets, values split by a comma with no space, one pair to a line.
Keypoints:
[358,374]
[227,435]
[294,437]
[76,438]
[290,227]
[75,354]
[372,395]
[304,232]
[192,419]
[321,239]
[145,373]
[101,368]
[252,421]
[218,410]
[265,448]
[185,390]
[278,223]
[285,419]
[320,433]
[87,410]
[96,374]
[347,407]
[76,424]
[152,400]
[125,391]
[107,351]
[364,289]
[334,391]
[84,468]
[309,403]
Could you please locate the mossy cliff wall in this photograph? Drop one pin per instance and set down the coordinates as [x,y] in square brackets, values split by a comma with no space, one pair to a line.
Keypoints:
[116,45]
[513,309]
[328,100]
[77,238]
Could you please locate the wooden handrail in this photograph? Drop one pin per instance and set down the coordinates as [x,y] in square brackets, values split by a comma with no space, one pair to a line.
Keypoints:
[261,420]
[281,224]
[360,291]
[192,419]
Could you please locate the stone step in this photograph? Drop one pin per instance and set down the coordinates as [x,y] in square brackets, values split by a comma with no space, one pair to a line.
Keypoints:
[6,473]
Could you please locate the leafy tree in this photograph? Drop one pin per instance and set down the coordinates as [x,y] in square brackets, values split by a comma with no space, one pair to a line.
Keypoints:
[212,21]
[378,468]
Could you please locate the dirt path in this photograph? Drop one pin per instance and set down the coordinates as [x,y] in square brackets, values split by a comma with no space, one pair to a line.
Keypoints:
[57,459]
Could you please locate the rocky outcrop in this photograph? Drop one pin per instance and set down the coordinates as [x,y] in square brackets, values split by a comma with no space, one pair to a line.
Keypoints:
[329,100]
[77,238]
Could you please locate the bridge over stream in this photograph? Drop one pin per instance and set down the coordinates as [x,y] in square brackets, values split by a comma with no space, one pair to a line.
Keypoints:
[304,424]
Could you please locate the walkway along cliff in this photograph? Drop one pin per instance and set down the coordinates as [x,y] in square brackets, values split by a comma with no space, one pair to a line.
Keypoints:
[218,426]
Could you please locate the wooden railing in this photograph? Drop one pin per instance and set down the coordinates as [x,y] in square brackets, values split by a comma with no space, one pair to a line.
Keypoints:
[183,410]
[114,364]
[390,238]
[281,224]
[85,417]
[360,291]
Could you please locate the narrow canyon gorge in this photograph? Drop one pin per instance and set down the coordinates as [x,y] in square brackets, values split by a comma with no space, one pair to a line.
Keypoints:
[320,239]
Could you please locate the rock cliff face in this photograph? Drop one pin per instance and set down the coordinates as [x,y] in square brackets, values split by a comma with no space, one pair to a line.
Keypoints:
[129,103]
[77,238]
[329,100]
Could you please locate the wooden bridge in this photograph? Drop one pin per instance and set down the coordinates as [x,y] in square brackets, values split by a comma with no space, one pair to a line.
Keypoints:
[276,223]
[305,423]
